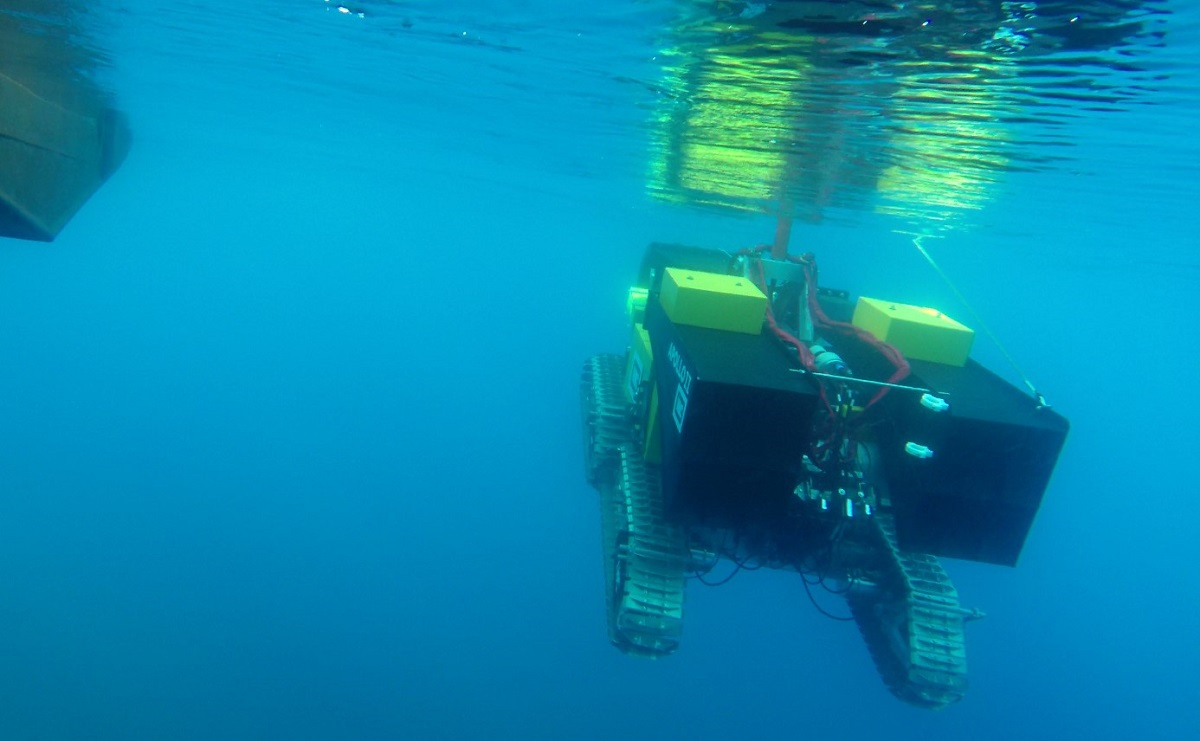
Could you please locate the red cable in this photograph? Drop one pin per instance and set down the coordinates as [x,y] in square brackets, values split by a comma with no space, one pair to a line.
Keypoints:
[806,356]
[893,355]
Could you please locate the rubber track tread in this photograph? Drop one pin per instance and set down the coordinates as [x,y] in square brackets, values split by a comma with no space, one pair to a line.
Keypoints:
[606,423]
[644,556]
[915,632]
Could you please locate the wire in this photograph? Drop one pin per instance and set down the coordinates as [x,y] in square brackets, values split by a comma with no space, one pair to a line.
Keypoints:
[805,354]
[1041,400]
[831,590]
[819,578]
[737,567]
[893,356]
[822,610]
[719,582]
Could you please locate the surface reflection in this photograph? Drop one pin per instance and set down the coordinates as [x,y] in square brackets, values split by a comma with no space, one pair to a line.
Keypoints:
[913,109]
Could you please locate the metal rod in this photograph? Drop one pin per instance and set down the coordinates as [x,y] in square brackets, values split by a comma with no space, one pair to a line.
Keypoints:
[783,234]
[865,382]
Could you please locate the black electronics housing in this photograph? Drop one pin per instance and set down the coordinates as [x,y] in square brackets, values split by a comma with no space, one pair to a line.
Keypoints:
[994,450]
[737,416]
[735,421]
[993,453]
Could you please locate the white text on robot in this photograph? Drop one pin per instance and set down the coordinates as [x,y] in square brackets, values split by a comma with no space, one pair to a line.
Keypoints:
[685,376]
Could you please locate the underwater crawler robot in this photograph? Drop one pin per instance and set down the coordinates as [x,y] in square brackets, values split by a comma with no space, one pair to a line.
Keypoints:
[760,419]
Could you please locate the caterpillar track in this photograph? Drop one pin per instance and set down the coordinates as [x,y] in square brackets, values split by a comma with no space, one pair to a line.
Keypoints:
[913,626]
[606,417]
[644,556]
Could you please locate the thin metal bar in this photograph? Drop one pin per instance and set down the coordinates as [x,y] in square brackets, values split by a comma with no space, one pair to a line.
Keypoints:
[866,382]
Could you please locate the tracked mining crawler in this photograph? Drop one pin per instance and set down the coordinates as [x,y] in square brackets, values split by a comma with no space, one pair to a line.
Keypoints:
[760,419]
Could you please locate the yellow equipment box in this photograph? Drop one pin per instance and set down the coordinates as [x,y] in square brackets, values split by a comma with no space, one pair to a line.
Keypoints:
[918,332]
[712,300]
[639,365]
[635,304]
[652,451]
[639,381]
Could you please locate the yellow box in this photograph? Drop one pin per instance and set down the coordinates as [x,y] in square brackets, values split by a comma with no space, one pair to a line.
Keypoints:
[639,382]
[653,448]
[639,365]
[712,300]
[918,332]
[635,304]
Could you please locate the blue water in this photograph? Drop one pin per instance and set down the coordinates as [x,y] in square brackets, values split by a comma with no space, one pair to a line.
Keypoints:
[288,413]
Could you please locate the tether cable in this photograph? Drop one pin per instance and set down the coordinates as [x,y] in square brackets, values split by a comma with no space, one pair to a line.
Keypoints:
[1037,395]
